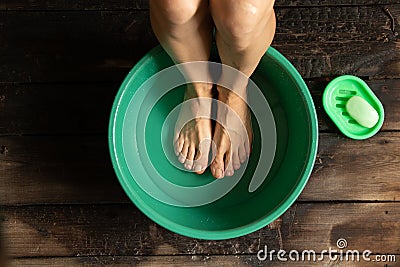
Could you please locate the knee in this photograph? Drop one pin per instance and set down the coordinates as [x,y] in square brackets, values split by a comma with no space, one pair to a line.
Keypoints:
[244,22]
[176,12]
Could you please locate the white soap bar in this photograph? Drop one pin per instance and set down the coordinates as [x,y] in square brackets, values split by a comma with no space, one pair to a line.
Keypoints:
[361,111]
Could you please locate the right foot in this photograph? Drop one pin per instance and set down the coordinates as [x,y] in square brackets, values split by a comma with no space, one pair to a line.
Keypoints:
[193,138]
[233,133]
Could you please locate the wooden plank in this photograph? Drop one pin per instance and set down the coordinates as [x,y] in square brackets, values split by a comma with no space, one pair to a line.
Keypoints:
[23,5]
[331,41]
[363,170]
[121,230]
[184,261]
[61,169]
[84,108]
[54,46]
[346,169]
[86,5]
[78,170]
[3,254]
[320,41]
[308,3]
[56,108]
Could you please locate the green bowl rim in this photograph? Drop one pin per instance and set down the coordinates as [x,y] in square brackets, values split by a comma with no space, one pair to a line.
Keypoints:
[238,231]
[325,100]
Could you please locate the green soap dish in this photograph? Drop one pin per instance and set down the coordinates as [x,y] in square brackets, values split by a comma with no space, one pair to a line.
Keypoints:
[335,97]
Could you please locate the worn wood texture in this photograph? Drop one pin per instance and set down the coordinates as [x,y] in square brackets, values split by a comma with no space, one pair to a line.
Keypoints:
[103,45]
[184,261]
[331,41]
[78,170]
[84,108]
[45,109]
[122,230]
[356,170]
[72,46]
[86,5]
[22,5]
[62,169]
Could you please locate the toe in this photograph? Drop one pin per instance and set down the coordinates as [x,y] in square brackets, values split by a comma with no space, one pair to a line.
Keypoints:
[217,166]
[189,157]
[247,147]
[178,146]
[219,173]
[198,168]
[188,164]
[177,135]
[183,154]
[236,161]
[201,162]
[247,144]
[229,169]
[242,154]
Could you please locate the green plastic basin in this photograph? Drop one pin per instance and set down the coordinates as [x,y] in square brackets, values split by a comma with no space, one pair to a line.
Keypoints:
[239,212]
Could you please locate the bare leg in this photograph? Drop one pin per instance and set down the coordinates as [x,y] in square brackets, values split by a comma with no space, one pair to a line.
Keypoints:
[184,29]
[245,29]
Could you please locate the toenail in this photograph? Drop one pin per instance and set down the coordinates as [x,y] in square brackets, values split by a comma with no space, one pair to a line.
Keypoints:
[229,173]
[218,173]
[198,168]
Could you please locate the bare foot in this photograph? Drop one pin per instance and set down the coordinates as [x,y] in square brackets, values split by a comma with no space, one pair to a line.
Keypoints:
[234,137]
[193,128]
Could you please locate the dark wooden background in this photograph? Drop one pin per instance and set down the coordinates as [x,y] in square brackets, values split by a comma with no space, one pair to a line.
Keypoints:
[61,64]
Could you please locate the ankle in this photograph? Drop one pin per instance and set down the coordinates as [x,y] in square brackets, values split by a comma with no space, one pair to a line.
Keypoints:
[200,89]
[229,95]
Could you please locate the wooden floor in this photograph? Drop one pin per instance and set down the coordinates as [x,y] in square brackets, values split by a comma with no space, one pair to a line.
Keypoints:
[61,63]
